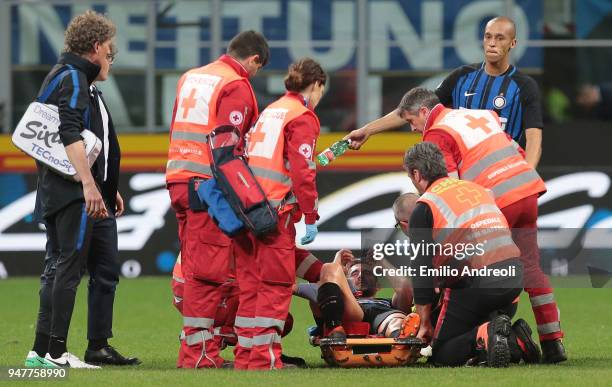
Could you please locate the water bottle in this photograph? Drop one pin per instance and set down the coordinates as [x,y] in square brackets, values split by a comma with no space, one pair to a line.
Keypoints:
[330,154]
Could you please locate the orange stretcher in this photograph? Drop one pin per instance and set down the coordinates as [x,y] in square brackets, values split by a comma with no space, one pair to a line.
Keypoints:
[360,349]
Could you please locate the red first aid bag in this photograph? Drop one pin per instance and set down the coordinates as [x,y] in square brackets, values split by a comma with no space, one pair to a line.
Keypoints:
[238,183]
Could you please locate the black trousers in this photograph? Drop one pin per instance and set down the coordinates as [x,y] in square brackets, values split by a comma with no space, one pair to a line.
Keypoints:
[464,310]
[76,244]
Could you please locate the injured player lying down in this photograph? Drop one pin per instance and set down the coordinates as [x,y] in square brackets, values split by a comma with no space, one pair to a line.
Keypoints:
[346,293]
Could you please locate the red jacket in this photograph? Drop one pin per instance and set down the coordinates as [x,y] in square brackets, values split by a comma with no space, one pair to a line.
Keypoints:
[235,100]
[300,140]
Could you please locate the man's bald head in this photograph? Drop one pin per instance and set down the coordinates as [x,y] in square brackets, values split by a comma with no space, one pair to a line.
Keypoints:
[404,205]
[507,21]
[498,39]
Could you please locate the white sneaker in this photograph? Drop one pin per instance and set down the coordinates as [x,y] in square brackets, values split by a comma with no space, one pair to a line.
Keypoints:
[68,360]
[35,361]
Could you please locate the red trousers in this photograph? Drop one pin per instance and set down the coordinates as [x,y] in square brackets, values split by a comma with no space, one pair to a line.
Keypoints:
[205,254]
[522,218]
[223,330]
[265,270]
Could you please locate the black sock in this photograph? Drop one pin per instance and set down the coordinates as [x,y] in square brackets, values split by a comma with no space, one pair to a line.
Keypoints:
[57,346]
[516,353]
[331,303]
[319,321]
[41,344]
[96,345]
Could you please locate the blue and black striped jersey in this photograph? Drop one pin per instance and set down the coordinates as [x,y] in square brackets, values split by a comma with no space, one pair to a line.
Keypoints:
[514,96]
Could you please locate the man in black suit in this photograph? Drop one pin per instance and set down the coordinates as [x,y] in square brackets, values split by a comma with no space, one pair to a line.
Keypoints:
[80,216]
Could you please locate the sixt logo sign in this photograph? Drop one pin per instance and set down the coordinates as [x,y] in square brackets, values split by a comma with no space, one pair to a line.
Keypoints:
[37,130]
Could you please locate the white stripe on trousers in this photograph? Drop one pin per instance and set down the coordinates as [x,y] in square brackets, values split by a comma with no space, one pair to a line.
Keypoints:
[542,299]
[547,328]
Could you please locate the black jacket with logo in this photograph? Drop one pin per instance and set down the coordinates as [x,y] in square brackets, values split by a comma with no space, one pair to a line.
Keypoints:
[76,104]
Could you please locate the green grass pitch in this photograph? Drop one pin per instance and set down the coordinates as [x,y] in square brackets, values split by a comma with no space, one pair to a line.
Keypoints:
[146,325]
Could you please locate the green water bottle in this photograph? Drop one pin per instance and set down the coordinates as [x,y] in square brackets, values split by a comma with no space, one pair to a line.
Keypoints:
[330,154]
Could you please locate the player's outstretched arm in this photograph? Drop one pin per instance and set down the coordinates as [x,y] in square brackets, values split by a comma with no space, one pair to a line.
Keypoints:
[358,137]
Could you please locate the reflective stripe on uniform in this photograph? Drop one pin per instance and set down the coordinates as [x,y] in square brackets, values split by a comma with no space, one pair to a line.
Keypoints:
[269,322]
[305,265]
[189,166]
[311,164]
[544,329]
[542,299]
[244,322]
[270,174]
[178,279]
[266,339]
[217,332]
[198,337]
[454,221]
[198,322]
[190,136]
[484,163]
[444,209]
[245,342]
[472,213]
[515,182]
[275,203]
[496,243]
[291,199]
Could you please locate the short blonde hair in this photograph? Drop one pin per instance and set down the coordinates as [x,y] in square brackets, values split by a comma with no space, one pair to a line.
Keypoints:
[85,30]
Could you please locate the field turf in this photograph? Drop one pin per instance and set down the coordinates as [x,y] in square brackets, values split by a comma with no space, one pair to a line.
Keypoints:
[146,325]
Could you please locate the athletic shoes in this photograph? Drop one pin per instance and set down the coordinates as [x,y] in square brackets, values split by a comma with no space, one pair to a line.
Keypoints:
[492,343]
[296,361]
[35,361]
[410,326]
[227,364]
[522,345]
[554,351]
[68,360]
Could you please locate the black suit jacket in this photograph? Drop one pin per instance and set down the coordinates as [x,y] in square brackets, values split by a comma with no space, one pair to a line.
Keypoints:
[76,105]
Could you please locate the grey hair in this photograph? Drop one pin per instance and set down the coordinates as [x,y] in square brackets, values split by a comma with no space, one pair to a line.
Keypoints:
[426,158]
[416,98]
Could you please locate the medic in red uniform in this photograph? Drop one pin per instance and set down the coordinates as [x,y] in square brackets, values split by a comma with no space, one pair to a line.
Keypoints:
[280,150]
[475,148]
[216,94]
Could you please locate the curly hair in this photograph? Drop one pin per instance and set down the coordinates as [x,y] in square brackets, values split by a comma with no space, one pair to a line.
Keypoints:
[85,30]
